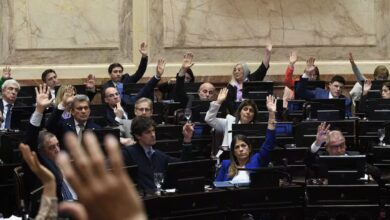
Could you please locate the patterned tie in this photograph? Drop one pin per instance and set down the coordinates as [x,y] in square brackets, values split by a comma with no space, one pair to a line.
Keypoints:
[149,153]
[66,194]
[7,124]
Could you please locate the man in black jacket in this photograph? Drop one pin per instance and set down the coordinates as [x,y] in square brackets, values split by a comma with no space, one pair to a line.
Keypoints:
[334,143]
[47,147]
[148,159]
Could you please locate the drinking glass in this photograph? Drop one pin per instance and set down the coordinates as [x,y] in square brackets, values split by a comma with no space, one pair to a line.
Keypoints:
[381,136]
[158,181]
[187,114]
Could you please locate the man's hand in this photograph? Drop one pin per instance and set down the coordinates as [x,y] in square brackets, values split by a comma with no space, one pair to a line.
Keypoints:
[188,131]
[322,133]
[119,111]
[143,49]
[7,72]
[160,67]
[42,93]
[90,82]
[187,63]
[105,194]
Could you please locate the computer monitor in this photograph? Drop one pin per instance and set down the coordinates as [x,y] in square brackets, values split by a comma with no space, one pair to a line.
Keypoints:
[132,88]
[257,89]
[21,116]
[375,106]
[190,176]
[337,107]
[377,84]
[283,129]
[374,94]
[311,85]
[266,176]
[342,169]
[169,132]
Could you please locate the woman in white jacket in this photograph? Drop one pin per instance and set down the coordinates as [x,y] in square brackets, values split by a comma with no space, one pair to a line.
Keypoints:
[245,114]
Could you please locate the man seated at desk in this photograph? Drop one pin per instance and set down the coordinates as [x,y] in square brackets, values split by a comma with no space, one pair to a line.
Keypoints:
[334,143]
[148,159]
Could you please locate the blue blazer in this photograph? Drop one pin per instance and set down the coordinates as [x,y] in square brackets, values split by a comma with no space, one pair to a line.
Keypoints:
[257,160]
[319,93]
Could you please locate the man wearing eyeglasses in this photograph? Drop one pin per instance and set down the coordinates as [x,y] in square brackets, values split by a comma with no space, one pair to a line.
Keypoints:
[334,143]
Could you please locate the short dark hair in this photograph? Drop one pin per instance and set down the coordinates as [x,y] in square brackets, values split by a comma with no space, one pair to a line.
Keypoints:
[244,103]
[387,84]
[141,124]
[45,73]
[338,78]
[42,137]
[105,89]
[113,65]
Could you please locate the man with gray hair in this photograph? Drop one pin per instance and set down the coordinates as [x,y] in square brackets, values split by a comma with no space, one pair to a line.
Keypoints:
[10,90]
[77,123]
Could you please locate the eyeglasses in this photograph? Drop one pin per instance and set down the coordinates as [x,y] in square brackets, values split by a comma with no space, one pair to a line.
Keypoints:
[143,109]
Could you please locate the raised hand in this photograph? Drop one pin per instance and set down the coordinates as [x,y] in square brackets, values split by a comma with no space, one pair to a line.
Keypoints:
[90,82]
[310,68]
[42,93]
[350,57]
[322,133]
[69,93]
[143,49]
[103,193]
[271,103]
[267,55]
[46,177]
[119,111]
[367,86]
[268,47]
[187,61]
[222,95]
[293,58]
[7,72]
[188,131]
[160,67]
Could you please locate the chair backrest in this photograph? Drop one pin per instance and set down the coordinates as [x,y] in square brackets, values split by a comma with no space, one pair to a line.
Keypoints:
[19,189]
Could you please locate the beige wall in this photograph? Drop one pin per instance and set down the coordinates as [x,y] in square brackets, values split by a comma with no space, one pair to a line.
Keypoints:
[81,37]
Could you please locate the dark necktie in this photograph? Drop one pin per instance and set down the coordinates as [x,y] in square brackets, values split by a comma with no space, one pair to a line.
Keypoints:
[8,117]
[149,153]
[66,194]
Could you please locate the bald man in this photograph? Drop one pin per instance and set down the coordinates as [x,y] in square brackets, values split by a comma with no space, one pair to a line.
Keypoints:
[206,91]
[334,143]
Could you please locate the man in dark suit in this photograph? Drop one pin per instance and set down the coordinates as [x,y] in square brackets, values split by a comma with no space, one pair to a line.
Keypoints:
[47,147]
[118,79]
[334,143]
[148,159]
[49,77]
[336,86]
[10,89]
[77,123]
